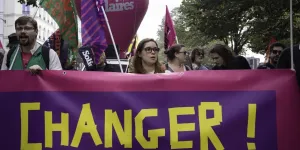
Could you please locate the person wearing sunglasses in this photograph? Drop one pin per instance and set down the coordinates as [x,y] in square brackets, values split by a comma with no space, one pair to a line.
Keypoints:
[176,55]
[197,59]
[275,50]
[146,58]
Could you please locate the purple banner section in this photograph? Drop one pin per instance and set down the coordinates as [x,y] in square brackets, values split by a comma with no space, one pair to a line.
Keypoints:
[228,113]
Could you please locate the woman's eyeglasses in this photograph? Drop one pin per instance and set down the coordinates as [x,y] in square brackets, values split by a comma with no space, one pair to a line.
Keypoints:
[151,49]
[185,53]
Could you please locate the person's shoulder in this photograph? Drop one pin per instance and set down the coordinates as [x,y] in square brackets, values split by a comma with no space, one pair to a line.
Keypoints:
[52,52]
[296,49]
[266,66]
[240,58]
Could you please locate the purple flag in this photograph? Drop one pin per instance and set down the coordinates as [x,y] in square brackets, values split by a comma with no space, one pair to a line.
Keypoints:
[92,26]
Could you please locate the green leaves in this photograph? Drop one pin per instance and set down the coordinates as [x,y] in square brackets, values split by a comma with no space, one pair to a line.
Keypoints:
[241,22]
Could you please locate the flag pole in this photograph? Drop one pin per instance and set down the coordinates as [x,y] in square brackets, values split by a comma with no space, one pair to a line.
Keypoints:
[112,38]
[177,40]
[36,12]
[127,67]
[291,32]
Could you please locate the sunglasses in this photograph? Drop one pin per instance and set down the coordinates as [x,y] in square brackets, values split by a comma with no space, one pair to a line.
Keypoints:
[185,53]
[276,52]
[151,49]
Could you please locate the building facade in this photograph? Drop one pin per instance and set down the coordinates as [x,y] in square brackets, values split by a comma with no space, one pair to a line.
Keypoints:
[13,10]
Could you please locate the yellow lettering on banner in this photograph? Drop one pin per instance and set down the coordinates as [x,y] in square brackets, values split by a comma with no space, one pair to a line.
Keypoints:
[51,127]
[152,134]
[175,127]
[25,108]
[206,130]
[86,124]
[251,125]
[112,121]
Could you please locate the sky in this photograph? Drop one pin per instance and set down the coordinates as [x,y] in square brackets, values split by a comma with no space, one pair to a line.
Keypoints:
[156,12]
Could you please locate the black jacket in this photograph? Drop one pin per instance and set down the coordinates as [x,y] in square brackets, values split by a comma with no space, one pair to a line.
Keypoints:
[238,63]
[266,66]
[284,61]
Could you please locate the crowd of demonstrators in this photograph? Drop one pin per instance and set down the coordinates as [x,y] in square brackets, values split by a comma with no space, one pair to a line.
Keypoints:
[25,53]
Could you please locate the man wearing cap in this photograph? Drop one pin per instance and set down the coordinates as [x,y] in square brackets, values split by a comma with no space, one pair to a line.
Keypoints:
[12,41]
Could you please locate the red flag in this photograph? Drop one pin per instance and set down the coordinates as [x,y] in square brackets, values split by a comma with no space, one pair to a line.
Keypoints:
[170,33]
[273,40]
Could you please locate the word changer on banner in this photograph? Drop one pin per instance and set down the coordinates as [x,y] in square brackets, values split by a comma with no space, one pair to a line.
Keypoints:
[133,127]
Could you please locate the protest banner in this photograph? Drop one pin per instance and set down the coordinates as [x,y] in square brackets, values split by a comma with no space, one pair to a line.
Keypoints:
[202,110]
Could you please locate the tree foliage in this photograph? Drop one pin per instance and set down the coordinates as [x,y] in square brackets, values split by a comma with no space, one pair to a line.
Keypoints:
[241,22]
[29,2]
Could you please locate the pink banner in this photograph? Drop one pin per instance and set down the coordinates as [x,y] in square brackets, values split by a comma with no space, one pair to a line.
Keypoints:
[195,110]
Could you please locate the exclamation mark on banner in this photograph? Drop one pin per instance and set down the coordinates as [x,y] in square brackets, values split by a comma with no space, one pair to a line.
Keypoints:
[251,125]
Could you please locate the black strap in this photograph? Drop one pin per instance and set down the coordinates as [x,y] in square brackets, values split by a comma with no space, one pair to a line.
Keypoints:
[168,68]
[45,55]
[187,68]
[9,54]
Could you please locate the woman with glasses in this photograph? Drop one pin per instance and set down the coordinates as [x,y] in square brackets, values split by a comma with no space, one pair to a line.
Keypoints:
[146,58]
[197,59]
[176,55]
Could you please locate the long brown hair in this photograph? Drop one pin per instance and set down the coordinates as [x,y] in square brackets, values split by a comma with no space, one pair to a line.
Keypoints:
[224,52]
[137,61]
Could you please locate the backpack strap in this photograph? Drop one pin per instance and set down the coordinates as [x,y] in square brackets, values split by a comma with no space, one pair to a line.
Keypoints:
[45,55]
[168,68]
[9,54]
[187,68]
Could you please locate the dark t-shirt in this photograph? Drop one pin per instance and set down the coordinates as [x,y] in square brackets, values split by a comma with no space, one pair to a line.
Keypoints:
[266,66]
